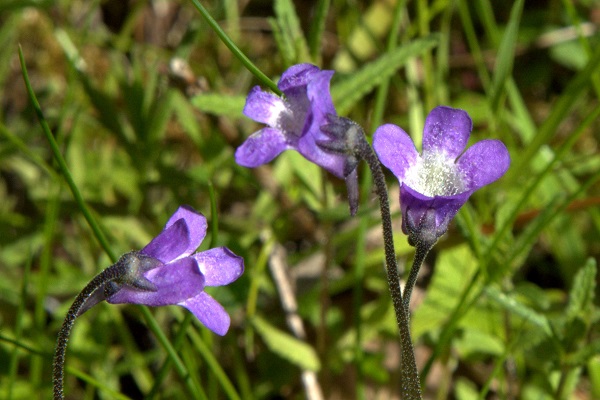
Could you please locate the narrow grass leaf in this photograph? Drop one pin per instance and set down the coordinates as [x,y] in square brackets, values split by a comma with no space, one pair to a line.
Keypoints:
[506,54]
[291,38]
[159,117]
[184,112]
[213,365]
[287,346]
[220,104]
[317,27]
[348,93]
[513,306]
[582,294]
[96,383]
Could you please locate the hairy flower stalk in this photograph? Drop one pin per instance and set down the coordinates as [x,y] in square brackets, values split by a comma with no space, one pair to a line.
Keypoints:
[348,138]
[114,273]
[164,272]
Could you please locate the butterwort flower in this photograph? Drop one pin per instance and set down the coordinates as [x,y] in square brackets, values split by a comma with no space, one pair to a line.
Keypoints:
[437,182]
[168,272]
[294,122]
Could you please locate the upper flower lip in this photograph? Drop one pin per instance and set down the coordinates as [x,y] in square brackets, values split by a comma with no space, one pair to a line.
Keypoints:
[183,233]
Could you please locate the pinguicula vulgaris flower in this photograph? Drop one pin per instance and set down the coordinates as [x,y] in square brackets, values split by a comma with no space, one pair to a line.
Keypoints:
[165,272]
[168,272]
[437,182]
[294,122]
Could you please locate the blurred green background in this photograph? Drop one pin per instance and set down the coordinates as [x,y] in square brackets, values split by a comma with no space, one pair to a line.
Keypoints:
[146,103]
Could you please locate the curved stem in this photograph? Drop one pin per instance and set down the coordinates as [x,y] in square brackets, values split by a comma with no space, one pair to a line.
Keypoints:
[58,366]
[421,251]
[411,387]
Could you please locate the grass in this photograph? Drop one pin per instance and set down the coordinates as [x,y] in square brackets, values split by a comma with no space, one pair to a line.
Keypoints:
[506,306]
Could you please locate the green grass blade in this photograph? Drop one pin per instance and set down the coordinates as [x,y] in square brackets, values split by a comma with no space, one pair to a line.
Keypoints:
[214,217]
[348,93]
[581,299]
[506,55]
[292,43]
[382,91]
[63,165]
[234,49]
[317,27]
[96,383]
[18,330]
[519,309]
[214,366]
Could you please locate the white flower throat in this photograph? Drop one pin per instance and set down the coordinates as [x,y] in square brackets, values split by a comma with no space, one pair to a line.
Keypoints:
[291,117]
[435,175]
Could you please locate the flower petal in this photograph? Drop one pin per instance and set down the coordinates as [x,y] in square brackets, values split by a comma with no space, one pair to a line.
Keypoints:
[414,205]
[263,106]
[296,76]
[320,106]
[175,282]
[395,149]
[209,312]
[196,224]
[446,131]
[171,243]
[260,148]
[483,163]
[219,266]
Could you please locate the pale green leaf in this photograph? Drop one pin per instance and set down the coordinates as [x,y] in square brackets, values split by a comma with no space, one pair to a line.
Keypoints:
[294,350]
[220,104]
[582,294]
[512,305]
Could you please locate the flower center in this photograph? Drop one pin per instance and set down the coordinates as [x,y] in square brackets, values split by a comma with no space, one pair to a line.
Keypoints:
[292,118]
[435,175]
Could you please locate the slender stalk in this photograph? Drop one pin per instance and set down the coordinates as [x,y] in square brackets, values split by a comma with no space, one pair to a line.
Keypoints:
[58,366]
[64,169]
[421,251]
[410,385]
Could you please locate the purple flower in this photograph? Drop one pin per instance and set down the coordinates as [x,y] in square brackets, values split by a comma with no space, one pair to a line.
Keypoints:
[437,182]
[293,121]
[166,271]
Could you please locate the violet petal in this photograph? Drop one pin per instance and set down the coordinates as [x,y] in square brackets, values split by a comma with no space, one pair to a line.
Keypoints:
[264,107]
[446,131]
[260,148]
[417,204]
[321,105]
[209,312]
[483,163]
[171,243]
[219,266]
[395,149]
[196,224]
[175,282]
[296,76]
